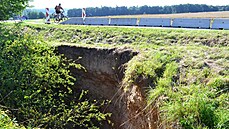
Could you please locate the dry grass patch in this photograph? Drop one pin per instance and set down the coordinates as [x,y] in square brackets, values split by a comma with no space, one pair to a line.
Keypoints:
[223,14]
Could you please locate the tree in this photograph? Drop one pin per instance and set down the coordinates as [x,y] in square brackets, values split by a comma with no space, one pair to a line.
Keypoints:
[41,15]
[8,8]
[35,15]
[32,15]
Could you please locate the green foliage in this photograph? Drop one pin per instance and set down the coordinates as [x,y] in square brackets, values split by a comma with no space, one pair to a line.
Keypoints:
[194,106]
[221,84]
[7,123]
[35,15]
[11,7]
[159,66]
[37,82]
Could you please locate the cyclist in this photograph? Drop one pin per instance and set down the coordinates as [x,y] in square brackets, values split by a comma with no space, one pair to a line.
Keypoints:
[58,9]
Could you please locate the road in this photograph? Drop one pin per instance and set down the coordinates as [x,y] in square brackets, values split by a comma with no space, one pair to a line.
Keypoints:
[42,21]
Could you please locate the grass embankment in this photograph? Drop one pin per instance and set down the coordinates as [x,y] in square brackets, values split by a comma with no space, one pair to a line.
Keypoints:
[188,69]
[133,36]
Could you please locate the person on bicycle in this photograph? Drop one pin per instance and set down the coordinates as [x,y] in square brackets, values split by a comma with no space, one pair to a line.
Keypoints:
[58,9]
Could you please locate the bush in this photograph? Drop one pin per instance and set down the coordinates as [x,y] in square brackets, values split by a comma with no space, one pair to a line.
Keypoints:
[7,123]
[36,82]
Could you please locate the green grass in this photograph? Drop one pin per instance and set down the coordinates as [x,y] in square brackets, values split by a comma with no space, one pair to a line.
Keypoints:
[34,21]
[189,87]
[134,36]
[188,69]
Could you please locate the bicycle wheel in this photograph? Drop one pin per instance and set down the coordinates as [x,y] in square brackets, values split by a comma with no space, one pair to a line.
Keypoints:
[57,19]
[65,18]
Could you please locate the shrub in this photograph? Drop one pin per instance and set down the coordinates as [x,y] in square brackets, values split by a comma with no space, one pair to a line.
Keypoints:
[7,123]
[36,82]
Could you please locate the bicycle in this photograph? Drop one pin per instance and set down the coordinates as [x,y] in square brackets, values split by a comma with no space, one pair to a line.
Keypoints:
[59,17]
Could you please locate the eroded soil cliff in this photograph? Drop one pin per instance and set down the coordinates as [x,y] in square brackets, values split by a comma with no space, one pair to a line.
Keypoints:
[102,76]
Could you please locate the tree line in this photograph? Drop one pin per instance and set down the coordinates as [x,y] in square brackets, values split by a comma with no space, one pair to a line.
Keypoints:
[123,10]
[33,14]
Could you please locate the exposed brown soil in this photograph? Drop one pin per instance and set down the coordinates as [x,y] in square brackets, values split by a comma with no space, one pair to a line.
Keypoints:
[103,79]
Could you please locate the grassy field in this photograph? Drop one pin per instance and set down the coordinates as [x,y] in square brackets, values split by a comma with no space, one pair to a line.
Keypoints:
[100,35]
[223,14]
[35,21]
[189,69]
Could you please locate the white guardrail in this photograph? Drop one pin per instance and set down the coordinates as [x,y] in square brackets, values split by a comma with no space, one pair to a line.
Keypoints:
[96,21]
[191,23]
[154,22]
[220,24]
[123,21]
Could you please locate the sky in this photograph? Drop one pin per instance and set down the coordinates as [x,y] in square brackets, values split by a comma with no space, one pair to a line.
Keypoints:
[69,4]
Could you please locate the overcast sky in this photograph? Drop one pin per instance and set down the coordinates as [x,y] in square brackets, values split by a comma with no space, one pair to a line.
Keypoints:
[112,3]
